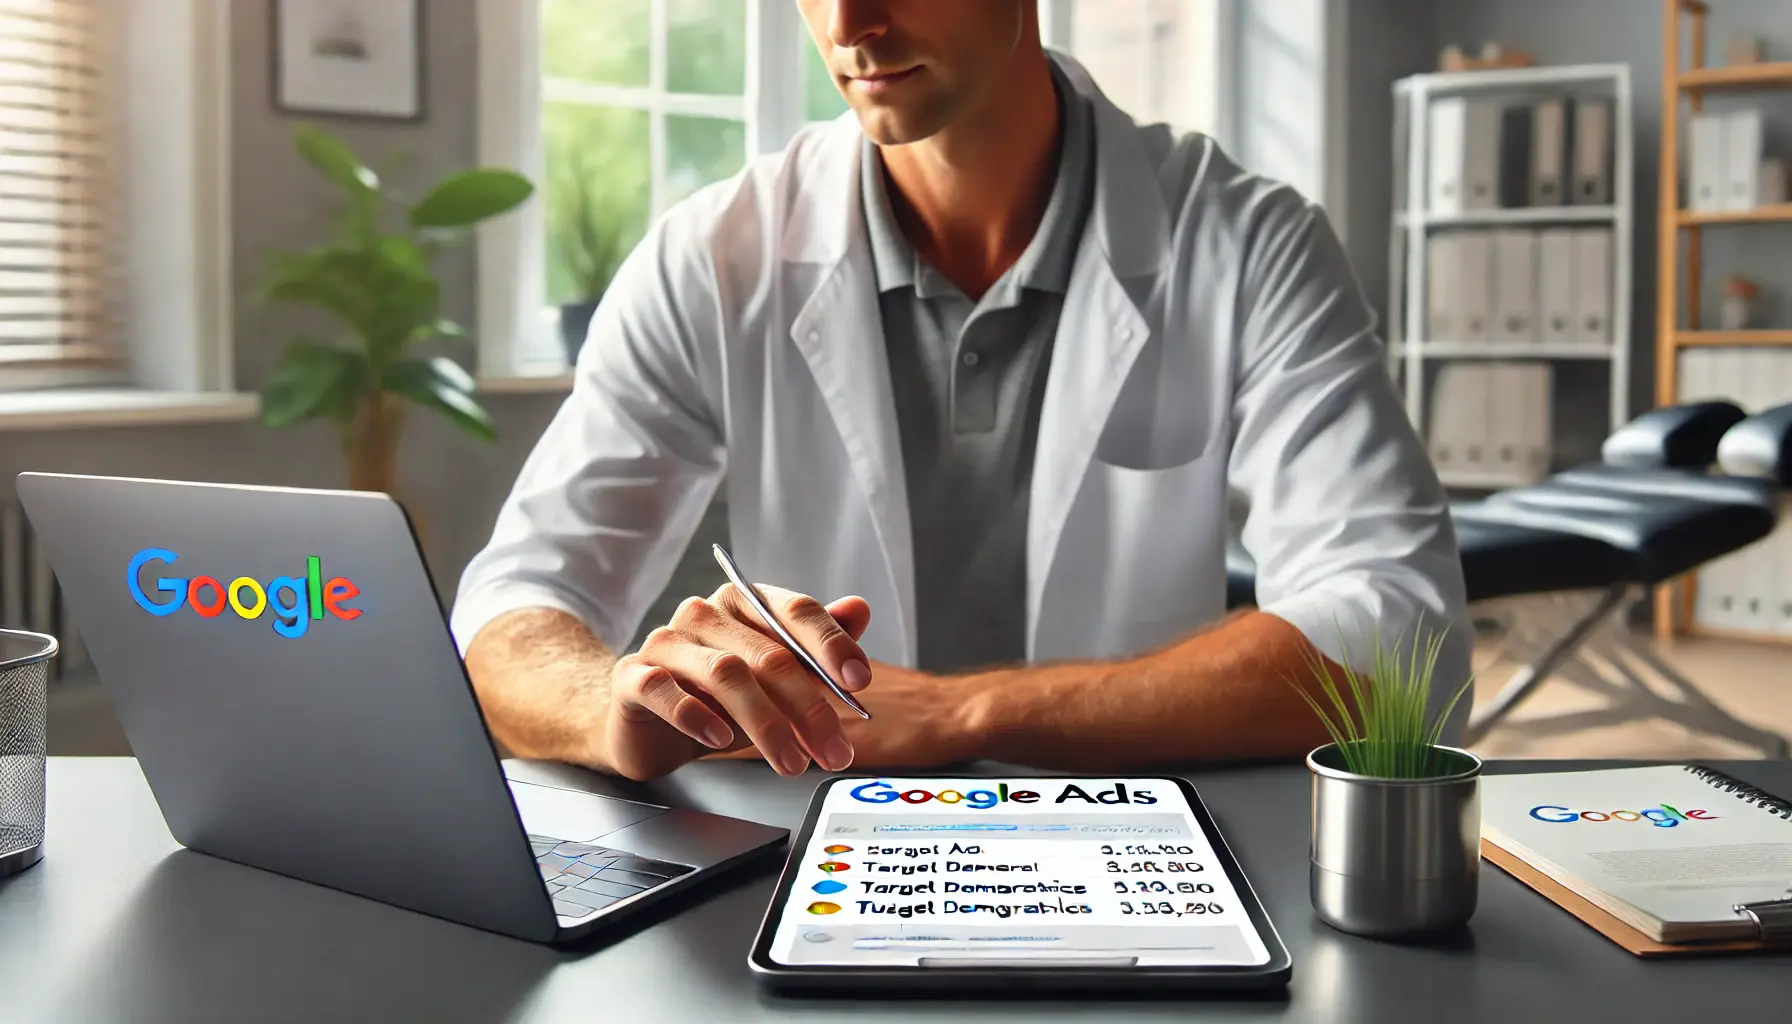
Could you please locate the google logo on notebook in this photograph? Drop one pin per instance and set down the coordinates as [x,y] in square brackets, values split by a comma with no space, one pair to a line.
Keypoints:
[293,600]
[1663,816]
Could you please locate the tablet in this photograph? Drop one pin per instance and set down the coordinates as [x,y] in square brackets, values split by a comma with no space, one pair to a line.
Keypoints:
[1069,883]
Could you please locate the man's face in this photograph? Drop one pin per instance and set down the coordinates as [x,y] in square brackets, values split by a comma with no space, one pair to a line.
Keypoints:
[909,68]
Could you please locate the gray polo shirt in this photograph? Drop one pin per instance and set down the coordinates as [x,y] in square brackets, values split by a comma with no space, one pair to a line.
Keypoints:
[969,379]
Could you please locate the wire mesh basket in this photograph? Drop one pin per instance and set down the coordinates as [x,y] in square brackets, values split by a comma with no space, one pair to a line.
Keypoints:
[24,668]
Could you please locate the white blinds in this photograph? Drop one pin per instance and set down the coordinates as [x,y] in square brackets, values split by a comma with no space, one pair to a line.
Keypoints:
[57,293]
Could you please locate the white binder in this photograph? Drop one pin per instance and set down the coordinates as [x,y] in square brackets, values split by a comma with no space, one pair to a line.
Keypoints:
[1777,391]
[1742,159]
[1781,614]
[1539,420]
[1760,583]
[1698,381]
[1474,296]
[1705,142]
[1693,382]
[1448,133]
[1558,311]
[1443,288]
[1592,152]
[1442,438]
[1728,576]
[1515,287]
[1458,434]
[1549,141]
[1513,420]
[1465,155]
[1471,423]
[1482,127]
[1593,286]
[1500,434]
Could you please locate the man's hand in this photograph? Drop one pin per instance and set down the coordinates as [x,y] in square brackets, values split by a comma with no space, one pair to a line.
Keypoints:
[716,678]
[917,721]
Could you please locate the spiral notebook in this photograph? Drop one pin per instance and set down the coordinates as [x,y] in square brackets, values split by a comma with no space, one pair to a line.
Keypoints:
[1663,857]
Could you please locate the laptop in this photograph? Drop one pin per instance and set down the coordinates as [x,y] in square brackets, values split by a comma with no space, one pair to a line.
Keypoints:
[281,665]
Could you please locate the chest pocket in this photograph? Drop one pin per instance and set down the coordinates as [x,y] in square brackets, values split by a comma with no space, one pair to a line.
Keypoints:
[1162,534]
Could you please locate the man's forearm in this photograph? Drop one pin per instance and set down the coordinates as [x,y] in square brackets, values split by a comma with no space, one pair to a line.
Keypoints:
[1226,693]
[543,683]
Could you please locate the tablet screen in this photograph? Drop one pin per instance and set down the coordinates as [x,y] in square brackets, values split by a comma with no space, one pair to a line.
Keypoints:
[937,872]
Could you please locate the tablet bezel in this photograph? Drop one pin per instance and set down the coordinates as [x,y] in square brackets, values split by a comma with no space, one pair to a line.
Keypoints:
[1273,974]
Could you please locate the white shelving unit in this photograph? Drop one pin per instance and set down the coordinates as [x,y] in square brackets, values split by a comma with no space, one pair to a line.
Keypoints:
[1414,224]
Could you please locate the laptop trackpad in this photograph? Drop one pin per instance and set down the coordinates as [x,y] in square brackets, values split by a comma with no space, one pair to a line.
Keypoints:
[578,817]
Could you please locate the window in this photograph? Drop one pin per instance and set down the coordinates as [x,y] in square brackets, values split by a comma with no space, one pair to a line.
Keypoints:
[618,109]
[114,193]
[1158,60]
[57,259]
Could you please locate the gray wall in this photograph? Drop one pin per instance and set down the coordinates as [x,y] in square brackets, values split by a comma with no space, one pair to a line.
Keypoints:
[1386,40]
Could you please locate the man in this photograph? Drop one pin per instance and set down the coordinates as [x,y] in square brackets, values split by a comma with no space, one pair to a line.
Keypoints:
[990,356]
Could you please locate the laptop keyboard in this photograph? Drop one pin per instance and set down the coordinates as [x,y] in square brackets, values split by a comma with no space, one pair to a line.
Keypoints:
[584,879]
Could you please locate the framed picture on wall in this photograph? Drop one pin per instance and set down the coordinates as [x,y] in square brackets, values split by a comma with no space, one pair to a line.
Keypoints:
[349,58]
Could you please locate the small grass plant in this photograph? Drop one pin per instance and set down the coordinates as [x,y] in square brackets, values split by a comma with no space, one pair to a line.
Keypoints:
[1378,721]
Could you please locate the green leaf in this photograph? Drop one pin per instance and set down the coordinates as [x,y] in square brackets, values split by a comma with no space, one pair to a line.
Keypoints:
[441,384]
[312,381]
[1398,737]
[332,156]
[470,197]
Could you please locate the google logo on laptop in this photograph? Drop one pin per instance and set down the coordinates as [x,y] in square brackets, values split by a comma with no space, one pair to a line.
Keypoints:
[294,600]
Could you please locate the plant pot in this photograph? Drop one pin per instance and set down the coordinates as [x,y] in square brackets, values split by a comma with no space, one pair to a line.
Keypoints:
[575,323]
[370,442]
[1395,858]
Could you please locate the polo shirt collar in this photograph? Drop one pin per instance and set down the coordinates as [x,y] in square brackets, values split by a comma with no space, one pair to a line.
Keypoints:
[1046,263]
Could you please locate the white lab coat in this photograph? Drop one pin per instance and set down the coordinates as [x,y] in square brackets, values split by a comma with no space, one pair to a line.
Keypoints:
[1212,336]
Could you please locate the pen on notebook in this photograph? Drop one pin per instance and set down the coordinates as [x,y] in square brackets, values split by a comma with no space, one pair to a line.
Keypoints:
[760,605]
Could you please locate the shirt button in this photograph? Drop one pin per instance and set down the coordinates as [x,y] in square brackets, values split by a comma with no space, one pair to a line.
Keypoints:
[814,336]
[971,359]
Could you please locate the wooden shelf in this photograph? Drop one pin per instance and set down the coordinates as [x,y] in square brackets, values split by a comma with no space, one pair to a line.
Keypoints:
[1758,215]
[1740,78]
[1734,338]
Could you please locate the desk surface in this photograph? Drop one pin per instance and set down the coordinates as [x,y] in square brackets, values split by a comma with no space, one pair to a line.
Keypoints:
[117,923]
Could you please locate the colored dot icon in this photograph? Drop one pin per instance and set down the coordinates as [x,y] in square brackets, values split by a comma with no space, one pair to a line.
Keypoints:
[824,907]
[831,866]
[828,887]
[836,850]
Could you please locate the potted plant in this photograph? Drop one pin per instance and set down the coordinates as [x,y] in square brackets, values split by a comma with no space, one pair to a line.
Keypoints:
[587,235]
[373,278]
[1396,815]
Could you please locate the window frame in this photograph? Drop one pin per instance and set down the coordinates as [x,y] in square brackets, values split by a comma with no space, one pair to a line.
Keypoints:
[1216,71]
[166,87]
[516,335]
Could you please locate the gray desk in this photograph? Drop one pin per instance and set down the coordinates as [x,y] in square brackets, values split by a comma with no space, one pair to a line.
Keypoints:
[119,924]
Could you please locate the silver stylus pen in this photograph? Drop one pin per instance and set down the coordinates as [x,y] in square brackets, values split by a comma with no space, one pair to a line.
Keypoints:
[757,600]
